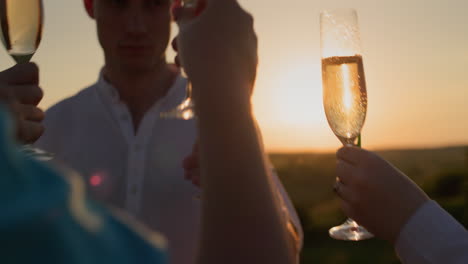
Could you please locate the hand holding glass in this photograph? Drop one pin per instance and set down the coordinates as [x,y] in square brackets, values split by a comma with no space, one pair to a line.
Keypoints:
[21,27]
[186,109]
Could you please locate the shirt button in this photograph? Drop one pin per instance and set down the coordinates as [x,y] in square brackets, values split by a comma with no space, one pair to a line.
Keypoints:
[137,147]
[134,190]
[113,94]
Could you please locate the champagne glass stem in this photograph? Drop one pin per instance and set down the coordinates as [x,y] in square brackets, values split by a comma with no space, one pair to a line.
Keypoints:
[350,230]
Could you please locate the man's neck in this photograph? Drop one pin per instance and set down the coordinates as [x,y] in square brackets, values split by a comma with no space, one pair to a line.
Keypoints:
[139,90]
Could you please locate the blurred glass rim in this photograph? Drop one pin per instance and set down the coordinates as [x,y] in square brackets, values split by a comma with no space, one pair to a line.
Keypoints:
[339,12]
[339,32]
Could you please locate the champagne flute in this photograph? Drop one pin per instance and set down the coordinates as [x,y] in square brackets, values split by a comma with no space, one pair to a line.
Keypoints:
[344,90]
[186,109]
[21,27]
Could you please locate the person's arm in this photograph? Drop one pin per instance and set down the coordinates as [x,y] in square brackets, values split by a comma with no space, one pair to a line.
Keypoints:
[241,218]
[241,221]
[292,221]
[191,167]
[394,208]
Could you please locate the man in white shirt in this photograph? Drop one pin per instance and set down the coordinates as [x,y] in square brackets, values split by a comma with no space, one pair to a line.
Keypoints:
[112,133]
[394,208]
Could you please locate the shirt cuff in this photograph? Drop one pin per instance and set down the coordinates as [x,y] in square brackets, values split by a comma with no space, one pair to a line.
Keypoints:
[432,236]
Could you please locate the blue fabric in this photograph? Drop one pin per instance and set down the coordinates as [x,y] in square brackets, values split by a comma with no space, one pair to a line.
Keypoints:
[45,219]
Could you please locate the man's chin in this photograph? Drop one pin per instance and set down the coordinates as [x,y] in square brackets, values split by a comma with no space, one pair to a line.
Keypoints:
[137,66]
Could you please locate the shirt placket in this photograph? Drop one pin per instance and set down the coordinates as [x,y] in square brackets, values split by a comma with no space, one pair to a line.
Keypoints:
[137,158]
[137,144]
[135,175]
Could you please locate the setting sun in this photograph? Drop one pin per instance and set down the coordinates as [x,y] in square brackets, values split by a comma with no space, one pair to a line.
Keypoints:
[289,108]
[298,94]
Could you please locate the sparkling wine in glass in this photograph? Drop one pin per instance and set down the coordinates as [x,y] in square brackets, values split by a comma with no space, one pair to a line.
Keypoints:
[21,22]
[21,27]
[344,91]
[186,109]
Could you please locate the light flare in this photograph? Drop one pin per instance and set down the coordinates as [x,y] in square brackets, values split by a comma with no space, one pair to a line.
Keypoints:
[347,88]
[96,180]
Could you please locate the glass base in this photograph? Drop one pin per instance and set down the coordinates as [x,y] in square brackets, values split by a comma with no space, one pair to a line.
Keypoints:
[350,231]
[38,154]
[183,111]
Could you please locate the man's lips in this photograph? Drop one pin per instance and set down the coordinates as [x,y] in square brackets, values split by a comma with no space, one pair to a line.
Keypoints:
[135,49]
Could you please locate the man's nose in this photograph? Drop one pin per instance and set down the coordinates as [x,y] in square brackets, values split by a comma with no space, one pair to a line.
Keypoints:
[135,22]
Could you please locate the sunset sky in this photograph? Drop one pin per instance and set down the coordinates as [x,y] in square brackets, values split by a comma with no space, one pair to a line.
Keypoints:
[415,59]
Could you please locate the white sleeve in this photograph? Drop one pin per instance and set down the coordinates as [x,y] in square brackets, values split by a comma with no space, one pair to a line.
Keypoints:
[432,236]
[287,207]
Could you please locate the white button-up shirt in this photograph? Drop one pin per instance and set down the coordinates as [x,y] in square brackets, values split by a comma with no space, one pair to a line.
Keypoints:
[432,236]
[93,133]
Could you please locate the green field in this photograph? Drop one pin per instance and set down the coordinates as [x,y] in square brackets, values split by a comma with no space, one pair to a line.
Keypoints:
[308,177]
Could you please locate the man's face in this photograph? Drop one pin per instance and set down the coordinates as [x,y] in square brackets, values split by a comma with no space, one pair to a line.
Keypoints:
[134,34]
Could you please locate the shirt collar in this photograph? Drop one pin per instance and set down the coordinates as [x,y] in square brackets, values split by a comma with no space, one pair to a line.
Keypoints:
[174,94]
[106,88]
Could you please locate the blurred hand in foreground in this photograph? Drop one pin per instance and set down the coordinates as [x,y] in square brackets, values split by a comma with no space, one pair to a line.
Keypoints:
[20,91]
[218,45]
